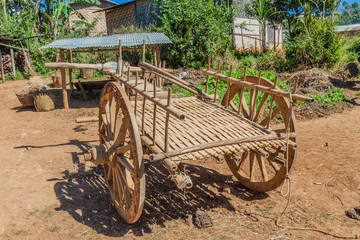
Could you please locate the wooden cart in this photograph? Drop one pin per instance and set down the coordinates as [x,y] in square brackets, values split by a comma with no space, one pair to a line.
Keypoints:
[259,152]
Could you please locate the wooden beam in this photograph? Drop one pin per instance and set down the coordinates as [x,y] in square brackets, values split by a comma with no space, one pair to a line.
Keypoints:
[63,81]
[268,137]
[9,46]
[171,78]
[264,89]
[143,51]
[112,50]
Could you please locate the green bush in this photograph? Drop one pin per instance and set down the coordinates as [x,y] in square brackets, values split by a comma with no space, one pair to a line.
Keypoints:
[198,29]
[272,60]
[355,46]
[317,45]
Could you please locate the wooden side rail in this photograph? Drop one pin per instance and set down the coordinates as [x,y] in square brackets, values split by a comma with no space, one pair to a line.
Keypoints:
[175,80]
[150,96]
[258,87]
[272,136]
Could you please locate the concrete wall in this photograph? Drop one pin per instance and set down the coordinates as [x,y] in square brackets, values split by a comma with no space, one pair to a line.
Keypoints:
[87,10]
[251,35]
[122,16]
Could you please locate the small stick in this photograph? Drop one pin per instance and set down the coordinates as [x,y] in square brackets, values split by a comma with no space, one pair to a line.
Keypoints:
[167,121]
[144,49]
[241,92]
[154,114]
[228,89]
[136,84]
[207,77]
[217,81]
[271,103]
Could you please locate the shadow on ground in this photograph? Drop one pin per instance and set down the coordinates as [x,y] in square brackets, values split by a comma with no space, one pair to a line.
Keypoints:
[85,197]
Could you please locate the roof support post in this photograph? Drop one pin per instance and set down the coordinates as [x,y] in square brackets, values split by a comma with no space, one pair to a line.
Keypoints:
[70,59]
[144,49]
[63,81]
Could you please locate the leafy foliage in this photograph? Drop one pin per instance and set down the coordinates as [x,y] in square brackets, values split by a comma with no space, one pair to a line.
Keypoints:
[350,14]
[198,29]
[316,45]
[331,97]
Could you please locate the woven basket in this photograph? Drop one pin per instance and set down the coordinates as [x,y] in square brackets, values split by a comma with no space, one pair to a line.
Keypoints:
[27,100]
[86,73]
[57,80]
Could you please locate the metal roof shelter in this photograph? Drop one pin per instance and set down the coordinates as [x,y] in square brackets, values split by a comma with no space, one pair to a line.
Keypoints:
[149,41]
[348,28]
[127,40]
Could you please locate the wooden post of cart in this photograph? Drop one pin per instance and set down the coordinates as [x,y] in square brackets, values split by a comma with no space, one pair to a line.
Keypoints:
[63,81]
[71,74]
[2,68]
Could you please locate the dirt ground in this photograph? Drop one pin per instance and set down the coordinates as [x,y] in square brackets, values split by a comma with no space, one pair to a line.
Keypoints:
[47,193]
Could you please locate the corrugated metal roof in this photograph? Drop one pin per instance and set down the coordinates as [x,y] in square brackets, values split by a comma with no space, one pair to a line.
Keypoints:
[127,40]
[348,28]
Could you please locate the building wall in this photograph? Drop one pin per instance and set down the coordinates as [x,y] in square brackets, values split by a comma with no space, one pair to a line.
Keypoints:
[122,16]
[251,32]
[87,10]
[144,12]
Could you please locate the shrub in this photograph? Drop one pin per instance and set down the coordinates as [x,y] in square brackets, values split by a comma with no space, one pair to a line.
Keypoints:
[272,60]
[198,29]
[317,45]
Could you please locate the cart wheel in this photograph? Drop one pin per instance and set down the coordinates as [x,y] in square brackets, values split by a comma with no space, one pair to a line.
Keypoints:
[255,170]
[120,152]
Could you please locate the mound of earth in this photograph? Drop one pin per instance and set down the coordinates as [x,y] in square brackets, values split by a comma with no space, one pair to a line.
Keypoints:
[348,71]
[195,77]
[310,81]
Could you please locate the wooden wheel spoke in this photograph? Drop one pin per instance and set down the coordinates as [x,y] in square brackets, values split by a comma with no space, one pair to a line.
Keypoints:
[262,167]
[241,160]
[252,166]
[274,113]
[113,111]
[273,165]
[261,109]
[123,149]
[125,163]
[252,103]
[109,174]
[120,138]
[104,137]
[106,125]
[125,187]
